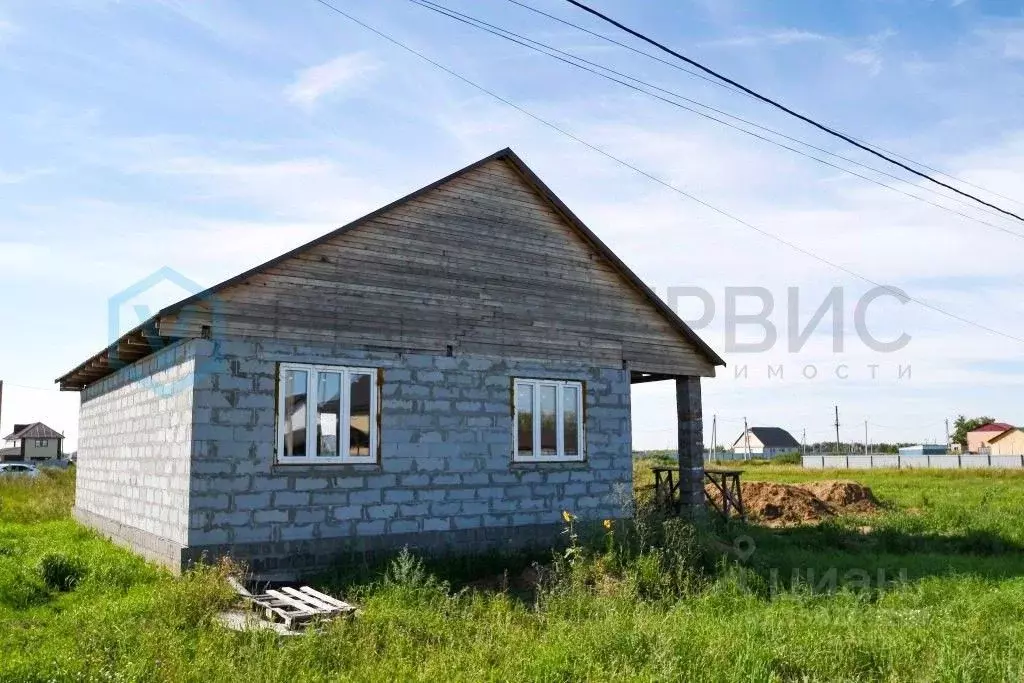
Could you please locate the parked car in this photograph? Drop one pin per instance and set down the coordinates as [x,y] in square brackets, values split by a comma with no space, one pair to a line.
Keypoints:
[18,469]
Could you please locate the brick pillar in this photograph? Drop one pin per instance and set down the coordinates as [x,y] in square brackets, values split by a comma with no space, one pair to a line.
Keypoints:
[691,445]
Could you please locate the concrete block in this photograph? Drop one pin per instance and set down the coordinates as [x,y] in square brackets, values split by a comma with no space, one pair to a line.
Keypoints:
[399,496]
[269,516]
[365,497]
[382,511]
[401,526]
[251,501]
[414,510]
[437,524]
[292,499]
[311,483]
[467,522]
[309,516]
[374,528]
[347,512]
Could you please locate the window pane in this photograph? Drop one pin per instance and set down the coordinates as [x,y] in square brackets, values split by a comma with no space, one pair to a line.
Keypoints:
[328,413]
[524,410]
[548,423]
[571,419]
[359,414]
[294,412]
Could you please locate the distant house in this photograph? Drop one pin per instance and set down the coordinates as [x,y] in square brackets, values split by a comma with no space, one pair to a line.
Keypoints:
[450,372]
[1009,442]
[978,440]
[765,442]
[32,442]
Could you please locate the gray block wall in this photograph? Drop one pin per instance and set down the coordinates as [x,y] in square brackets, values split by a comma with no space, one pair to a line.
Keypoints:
[135,452]
[177,459]
[446,478]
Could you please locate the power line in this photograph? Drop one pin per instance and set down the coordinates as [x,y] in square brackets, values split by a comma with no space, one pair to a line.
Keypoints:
[656,179]
[791,112]
[567,57]
[731,89]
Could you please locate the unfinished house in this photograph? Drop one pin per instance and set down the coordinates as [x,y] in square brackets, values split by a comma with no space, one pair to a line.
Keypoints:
[449,372]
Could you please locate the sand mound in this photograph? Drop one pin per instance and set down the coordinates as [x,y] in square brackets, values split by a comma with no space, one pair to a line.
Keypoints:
[843,496]
[783,504]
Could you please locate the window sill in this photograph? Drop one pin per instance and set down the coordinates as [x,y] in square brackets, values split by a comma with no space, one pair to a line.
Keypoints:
[550,465]
[325,469]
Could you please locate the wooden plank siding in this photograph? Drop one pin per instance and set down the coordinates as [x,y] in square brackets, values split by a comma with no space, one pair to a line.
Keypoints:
[481,262]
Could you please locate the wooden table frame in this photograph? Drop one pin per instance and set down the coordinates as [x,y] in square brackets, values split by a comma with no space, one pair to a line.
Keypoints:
[666,490]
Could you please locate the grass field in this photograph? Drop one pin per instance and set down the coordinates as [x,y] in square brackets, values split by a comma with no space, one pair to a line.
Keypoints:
[663,601]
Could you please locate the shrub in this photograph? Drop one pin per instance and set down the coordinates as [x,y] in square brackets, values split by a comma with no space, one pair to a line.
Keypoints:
[61,572]
[408,578]
[793,458]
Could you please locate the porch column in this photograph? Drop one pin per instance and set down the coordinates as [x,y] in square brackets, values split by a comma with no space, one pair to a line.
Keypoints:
[691,445]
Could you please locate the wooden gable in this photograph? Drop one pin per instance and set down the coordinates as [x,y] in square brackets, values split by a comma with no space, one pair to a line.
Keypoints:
[483,262]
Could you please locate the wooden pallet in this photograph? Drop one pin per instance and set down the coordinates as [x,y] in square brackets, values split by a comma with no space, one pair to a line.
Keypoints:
[297,607]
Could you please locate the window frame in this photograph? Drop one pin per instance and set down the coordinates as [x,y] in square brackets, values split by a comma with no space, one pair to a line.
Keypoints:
[561,456]
[42,443]
[313,372]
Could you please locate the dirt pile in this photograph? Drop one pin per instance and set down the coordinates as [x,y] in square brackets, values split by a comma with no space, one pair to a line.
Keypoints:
[844,496]
[784,504]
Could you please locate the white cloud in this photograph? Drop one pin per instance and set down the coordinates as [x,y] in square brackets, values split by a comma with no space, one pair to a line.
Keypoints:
[866,57]
[13,177]
[870,56]
[1009,41]
[786,36]
[325,79]
[7,29]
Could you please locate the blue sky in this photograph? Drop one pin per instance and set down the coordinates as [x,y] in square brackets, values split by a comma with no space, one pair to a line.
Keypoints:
[210,135]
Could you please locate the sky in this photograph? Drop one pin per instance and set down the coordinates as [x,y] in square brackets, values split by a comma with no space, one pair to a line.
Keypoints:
[207,136]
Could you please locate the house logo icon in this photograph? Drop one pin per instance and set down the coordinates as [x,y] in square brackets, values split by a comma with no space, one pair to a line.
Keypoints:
[137,306]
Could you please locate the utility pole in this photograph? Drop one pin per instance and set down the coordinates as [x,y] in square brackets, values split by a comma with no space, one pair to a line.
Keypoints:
[714,436]
[947,427]
[865,437]
[837,432]
[804,439]
[746,440]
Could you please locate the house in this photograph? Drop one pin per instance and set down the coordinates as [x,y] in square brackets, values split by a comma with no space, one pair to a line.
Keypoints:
[1009,442]
[33,442]
[765,442]
[449,372]
[978,440]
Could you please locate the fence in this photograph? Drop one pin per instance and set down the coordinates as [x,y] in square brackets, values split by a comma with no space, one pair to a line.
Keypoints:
[907,462]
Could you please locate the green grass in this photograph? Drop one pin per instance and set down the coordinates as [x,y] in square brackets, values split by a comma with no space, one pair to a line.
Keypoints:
[680,610]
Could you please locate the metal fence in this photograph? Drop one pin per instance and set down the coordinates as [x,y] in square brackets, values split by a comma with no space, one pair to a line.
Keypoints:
[907,462]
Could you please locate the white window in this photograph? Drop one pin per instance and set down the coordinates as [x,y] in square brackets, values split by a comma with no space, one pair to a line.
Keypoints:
[548,421]
[326,414]
[42,443]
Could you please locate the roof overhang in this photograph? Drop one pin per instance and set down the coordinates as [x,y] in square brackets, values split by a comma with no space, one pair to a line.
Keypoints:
[129,348]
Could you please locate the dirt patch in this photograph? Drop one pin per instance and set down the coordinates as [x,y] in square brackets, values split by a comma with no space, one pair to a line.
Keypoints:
[776,504]
[843,496]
